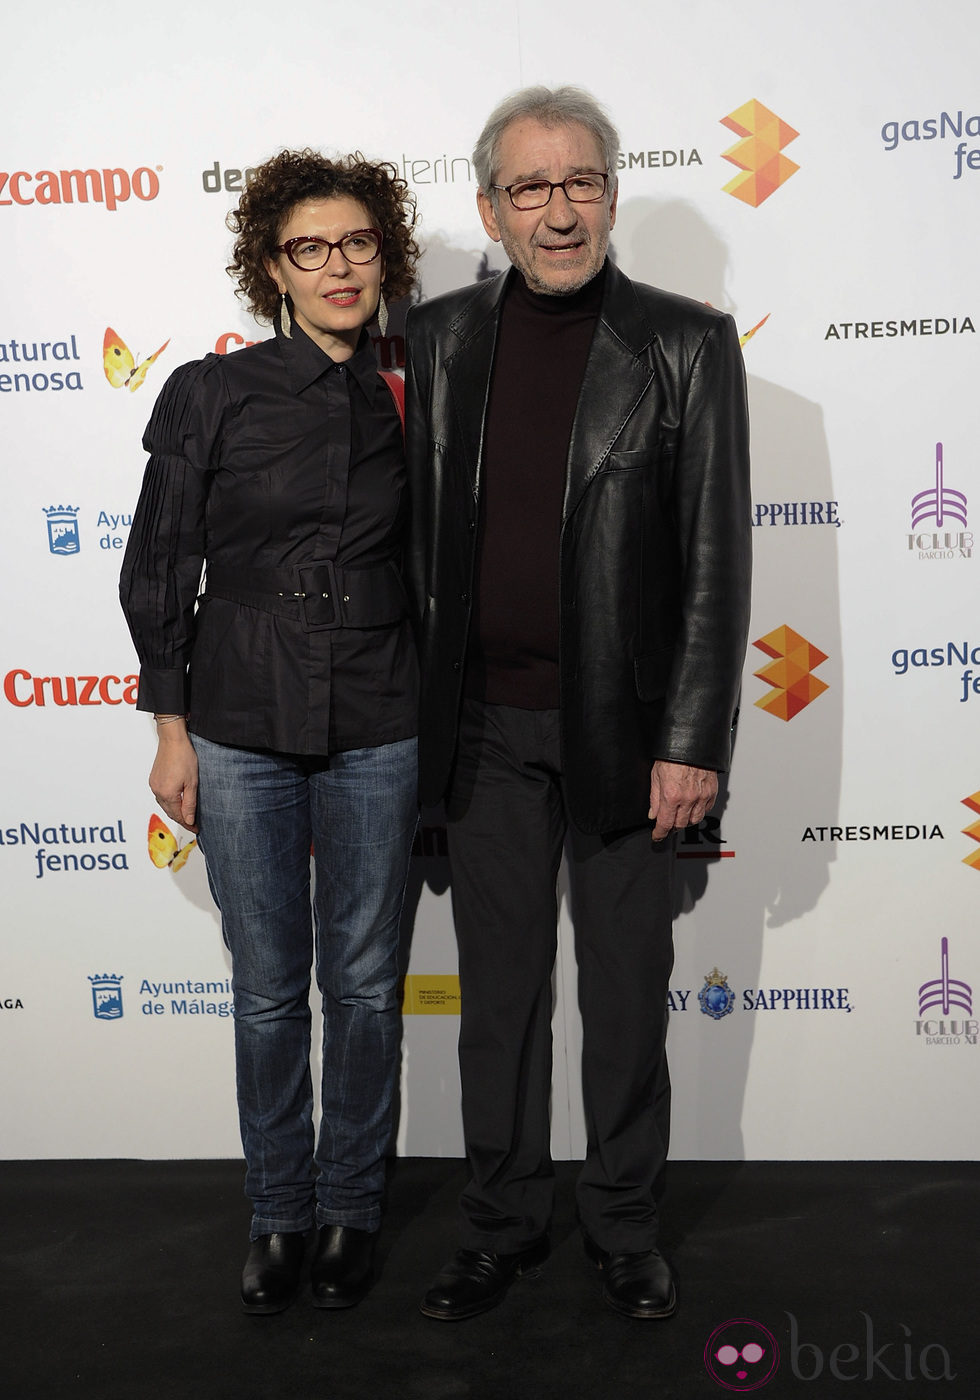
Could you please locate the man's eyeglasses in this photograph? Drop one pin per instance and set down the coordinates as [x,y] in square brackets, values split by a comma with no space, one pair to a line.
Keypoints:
[310,254]
[586,187]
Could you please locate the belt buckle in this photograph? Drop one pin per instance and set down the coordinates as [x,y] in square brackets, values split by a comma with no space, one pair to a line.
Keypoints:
[321,597]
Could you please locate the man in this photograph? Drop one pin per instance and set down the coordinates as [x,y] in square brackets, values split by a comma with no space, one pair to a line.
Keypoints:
[578,456]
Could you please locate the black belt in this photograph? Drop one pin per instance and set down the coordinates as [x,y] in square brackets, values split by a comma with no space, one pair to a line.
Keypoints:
[322,596]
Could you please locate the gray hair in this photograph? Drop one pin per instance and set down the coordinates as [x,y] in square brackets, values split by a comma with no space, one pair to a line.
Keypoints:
[551,107]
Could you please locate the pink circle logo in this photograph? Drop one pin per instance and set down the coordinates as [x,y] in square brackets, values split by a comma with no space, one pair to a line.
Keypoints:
[741,1355]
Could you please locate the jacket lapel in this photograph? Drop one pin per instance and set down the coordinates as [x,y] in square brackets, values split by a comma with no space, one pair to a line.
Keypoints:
[469,367]
[617,375]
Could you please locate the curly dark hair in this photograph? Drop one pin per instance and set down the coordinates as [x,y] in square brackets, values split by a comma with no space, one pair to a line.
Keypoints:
[293,177]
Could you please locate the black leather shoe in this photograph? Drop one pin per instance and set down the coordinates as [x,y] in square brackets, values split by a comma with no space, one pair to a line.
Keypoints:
[343,1265]
[272,1271]
[475,1280]
[637,1285]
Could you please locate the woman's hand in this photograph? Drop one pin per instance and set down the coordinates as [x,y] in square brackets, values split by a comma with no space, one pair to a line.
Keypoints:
[173,777]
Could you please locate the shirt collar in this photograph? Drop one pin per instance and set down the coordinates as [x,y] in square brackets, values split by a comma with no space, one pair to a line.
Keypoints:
[305,362]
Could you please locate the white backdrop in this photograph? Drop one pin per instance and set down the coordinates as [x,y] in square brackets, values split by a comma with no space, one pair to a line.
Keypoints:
[827,941]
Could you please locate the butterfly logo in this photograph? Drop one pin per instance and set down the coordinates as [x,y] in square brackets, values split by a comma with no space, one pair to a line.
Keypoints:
[163,846]
[119,364]
[743,339]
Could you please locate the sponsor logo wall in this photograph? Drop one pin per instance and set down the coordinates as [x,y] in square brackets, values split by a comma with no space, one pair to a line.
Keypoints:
[812,968]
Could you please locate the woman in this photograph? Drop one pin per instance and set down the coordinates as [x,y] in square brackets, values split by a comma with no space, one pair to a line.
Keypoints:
[285,701]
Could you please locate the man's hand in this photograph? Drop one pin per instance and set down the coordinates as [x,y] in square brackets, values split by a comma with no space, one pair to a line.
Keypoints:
[679,796]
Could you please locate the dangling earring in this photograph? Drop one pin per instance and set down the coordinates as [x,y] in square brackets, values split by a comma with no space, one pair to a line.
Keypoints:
[382,314]
[285,324]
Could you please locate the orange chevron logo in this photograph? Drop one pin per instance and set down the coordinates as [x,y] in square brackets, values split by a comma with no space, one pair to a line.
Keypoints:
[973,802]
[758,154]
[790,673]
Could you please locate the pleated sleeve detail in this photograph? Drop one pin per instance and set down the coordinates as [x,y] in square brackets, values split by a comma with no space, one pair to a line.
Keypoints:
[165,553]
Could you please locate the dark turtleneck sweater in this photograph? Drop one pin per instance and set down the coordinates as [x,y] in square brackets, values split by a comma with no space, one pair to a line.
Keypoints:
[542,348]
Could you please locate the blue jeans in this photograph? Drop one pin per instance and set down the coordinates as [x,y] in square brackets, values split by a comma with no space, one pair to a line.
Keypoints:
[259,814]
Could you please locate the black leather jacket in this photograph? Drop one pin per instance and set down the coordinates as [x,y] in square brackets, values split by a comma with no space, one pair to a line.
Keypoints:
[655,537]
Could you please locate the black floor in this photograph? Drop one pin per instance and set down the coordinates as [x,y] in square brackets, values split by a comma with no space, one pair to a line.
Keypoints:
[120,1281]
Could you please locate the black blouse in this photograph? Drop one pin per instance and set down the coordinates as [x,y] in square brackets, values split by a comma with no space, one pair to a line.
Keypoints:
[263,462]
